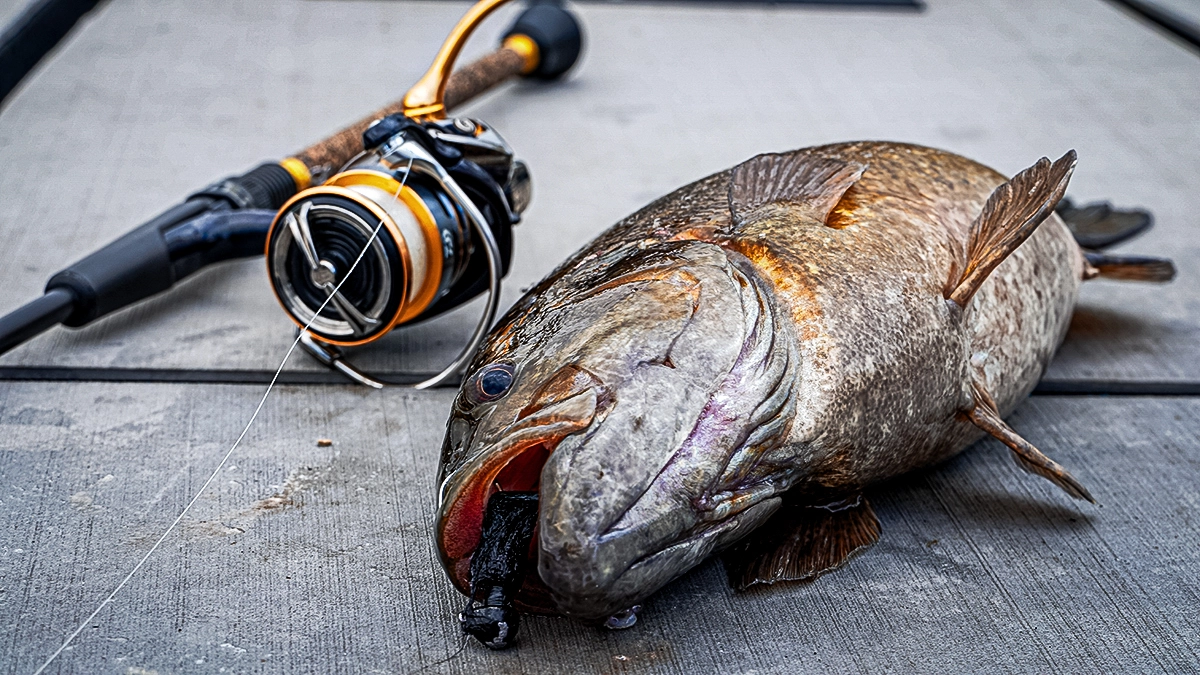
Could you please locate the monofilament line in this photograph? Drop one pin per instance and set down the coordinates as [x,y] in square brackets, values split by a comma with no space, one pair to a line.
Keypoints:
[228,454]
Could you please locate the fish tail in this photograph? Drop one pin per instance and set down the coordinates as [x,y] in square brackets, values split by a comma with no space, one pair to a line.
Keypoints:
[1128,267]
[1099,225]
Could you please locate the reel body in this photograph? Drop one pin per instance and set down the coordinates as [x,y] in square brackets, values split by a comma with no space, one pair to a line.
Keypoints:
[429,205]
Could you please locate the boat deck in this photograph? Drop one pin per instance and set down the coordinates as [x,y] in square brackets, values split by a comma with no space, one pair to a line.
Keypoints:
[303,558]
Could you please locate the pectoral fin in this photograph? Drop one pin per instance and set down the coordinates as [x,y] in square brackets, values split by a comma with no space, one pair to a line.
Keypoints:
[811,184]
[1011,214]
[800,543]
[985,416]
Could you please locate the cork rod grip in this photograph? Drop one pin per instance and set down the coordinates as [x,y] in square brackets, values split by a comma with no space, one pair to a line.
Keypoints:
[477,77]
[472,80]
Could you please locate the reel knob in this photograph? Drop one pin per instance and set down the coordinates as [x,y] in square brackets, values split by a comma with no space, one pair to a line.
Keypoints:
[556,35]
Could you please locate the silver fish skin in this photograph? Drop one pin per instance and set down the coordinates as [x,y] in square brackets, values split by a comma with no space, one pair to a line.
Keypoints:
[791,330]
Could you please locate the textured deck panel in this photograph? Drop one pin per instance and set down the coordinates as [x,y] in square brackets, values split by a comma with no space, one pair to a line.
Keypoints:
[143,106]
[308,559]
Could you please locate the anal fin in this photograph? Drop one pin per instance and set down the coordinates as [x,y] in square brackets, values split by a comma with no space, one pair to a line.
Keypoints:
[1012,213]
[800,543]
[985,416]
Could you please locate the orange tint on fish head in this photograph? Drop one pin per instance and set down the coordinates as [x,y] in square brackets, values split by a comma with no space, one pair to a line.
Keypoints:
[790,281]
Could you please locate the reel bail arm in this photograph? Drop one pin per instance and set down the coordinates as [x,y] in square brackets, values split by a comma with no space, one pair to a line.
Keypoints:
[433,232]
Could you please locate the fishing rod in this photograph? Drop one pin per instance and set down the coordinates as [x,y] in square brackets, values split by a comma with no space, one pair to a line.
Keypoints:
[429,201]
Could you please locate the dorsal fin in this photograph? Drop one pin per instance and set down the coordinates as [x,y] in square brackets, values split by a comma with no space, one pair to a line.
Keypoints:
[1012,213]
[810,183]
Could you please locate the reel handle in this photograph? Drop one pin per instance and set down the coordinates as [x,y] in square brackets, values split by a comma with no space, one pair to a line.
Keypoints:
[544,42]
[546,37]
[328,155]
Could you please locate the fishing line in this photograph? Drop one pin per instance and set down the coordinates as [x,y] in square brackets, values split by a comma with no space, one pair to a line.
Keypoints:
[439,662]
[228,454]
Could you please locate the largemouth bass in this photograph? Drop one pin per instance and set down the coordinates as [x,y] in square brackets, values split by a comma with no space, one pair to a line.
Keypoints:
[728,368]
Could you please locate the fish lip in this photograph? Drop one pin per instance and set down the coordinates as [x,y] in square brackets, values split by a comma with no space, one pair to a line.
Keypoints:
[463,496]
[622,590]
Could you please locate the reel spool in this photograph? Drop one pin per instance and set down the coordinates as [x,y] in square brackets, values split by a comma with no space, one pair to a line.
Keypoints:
[429,204]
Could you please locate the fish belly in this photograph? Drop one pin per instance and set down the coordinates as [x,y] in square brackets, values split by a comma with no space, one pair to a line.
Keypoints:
[1021,314]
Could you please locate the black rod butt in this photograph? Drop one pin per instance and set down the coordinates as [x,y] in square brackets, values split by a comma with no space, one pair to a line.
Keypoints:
[35,317]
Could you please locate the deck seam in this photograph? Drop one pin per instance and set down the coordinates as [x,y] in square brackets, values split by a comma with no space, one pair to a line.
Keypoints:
[1047,387]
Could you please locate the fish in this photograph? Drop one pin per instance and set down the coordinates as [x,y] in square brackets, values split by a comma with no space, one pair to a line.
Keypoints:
[727,370]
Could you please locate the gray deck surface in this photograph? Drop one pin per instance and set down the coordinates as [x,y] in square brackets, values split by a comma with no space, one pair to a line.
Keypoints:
[10,10]
[308,559]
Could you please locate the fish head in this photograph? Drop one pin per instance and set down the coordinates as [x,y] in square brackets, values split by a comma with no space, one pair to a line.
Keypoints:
[615,390]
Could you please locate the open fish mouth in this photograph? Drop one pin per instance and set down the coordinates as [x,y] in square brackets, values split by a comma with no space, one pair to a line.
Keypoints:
[513,463]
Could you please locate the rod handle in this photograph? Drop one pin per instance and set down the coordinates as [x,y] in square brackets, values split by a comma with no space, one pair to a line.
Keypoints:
[544,42]
[479,76]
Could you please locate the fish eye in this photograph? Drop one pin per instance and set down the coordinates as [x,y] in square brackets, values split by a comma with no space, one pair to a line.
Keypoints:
[490,382]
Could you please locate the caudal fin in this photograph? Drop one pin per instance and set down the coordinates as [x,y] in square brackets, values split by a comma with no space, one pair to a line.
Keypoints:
[1128,267]
[1098,225]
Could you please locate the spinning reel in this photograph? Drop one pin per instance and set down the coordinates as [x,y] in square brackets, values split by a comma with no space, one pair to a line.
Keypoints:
[393,220]
[443,195]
